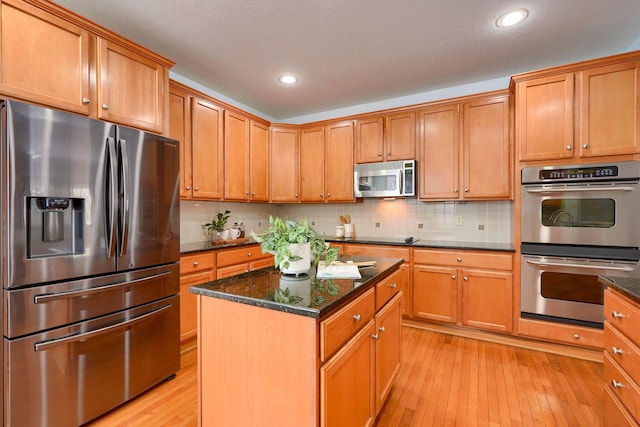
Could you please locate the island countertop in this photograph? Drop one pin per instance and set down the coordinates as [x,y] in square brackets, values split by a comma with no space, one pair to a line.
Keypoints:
[319,297]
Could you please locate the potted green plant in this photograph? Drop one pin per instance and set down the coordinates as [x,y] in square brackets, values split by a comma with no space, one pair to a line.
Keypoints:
[216,226]
[294,245]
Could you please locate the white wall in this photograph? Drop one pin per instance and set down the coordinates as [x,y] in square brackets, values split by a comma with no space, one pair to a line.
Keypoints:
[481,221]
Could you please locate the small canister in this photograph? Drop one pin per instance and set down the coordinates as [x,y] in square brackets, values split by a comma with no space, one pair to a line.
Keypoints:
[339,231]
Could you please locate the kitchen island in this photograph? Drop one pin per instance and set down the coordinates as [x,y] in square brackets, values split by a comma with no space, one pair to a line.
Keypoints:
[298,351]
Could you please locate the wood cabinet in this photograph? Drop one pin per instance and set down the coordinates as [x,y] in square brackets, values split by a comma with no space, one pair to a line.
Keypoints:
[194,270]
[581,336]
[326,157]
[464,149]
[246,158]
[580,112]
[403,276]
[197,123]
[53,57]
[388,347]
[386,137]
[468,288]
[285,166]
[621,359]
[231,262]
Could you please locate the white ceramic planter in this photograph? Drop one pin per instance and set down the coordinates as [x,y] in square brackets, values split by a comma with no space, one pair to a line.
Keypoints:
[300,266]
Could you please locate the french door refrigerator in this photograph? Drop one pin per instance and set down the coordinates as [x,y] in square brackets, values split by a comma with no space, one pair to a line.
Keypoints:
[90,265]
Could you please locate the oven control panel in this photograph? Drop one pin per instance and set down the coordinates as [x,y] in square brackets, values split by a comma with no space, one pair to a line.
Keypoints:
[628,170]
[576,174]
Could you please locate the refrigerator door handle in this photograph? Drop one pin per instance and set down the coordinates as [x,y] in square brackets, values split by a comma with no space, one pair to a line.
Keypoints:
[124,182]
[111,197]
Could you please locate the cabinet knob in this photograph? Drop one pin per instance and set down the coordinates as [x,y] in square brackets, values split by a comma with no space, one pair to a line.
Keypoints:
[393,285]
[617,315]
[246,194]
[357,317]
[569,147]
[196,188]
[296,194]
[188,187]
[576,336]
[616,384]
[388,153]
[466,190]
[253,193]
[459,259]
[379,154]
[249,253]
[465,278]
[381,329]
[453,276]
[455,190]
[585,145]
[196,263]
[328,194]
[105,106]
[86,101]
[321,194]
[375,337]
[616,350]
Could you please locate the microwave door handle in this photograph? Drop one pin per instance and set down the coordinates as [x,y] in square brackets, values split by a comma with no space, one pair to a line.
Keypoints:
[587,266]
[124,176]
[577,189]
[401,181]
[111,198]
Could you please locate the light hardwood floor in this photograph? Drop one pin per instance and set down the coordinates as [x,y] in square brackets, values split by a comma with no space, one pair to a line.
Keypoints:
[445,380]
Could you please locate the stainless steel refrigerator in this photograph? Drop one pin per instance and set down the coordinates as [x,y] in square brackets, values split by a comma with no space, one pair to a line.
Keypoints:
[90,274]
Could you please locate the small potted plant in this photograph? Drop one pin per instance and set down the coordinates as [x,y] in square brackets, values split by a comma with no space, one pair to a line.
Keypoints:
[294,245]
[216,226]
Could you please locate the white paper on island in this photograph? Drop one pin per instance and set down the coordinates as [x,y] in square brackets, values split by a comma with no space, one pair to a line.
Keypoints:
[338,271]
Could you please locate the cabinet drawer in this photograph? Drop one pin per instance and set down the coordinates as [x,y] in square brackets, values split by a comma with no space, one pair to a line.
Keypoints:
[341,326]
[378,250]
[237,256]
[568,334]
[615,414]
[623,351]
[387,288]
[199,262]
[489,260]
[261,263]
[623,314]
[232,270]
[622,386]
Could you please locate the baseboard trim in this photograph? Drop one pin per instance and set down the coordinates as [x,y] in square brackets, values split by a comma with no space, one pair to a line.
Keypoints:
[592,355]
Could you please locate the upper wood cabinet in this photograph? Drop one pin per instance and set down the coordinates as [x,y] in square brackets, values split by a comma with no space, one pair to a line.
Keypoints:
[326,157]
[246,157]
[386,138]
[583,111]
[53,57]
[464,149]
[285,166]
[197,123]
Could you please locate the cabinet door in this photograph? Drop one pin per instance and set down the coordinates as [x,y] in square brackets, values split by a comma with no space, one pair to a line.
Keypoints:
[346,392]
[131,88]
[338,164]
[236,156]
[400,136]
[388,349]
[207,149]
[435,293]
[259,162]
[44,59]
[313,164]
[609,116]
[544,118]
[194,270]
[438,152]
[487,301]
[486,149]
[179,129]
[284,155]
[370,139]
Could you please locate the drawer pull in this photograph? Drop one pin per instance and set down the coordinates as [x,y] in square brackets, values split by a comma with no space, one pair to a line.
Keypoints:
[465,278]
[616,350]
[616,384]
[617,315]
[459,259]
[249,254]
[453,276]
[86,101]
[381,329]
[356,317]
[576,336]
[196,263]
[393,285]
[375,337]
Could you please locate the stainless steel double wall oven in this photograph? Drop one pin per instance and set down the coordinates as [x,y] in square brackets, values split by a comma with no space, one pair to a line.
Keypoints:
[578,222]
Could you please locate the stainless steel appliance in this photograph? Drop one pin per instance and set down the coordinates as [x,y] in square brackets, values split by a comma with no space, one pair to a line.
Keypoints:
[578,222]
[90,251]
[385,179]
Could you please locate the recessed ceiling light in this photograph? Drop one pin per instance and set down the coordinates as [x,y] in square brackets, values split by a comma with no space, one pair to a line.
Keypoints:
[512,18]
[288,79]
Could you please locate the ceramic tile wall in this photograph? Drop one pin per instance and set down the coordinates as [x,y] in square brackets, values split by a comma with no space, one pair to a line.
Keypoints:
[464,222]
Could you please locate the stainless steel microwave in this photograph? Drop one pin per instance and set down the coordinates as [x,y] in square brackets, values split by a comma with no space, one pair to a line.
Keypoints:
[385,179]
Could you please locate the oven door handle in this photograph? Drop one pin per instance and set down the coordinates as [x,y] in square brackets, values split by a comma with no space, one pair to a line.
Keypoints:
[592,267]
[44,345]
[577,189]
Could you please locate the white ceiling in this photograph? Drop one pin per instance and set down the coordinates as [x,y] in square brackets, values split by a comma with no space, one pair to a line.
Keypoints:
[352,52]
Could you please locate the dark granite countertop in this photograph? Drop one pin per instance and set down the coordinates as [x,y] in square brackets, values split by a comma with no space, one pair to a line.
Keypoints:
[420,243]
[626,286]
[187,248]
[319,296]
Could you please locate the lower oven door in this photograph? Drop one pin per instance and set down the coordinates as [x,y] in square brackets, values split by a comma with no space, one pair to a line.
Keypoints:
[70,375]
[567,289]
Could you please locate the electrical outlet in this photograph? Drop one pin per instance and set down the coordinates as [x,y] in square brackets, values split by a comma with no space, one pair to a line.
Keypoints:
[481,227]
[377,225]
[458,219]
[313,223]
[420,225]
[259,223]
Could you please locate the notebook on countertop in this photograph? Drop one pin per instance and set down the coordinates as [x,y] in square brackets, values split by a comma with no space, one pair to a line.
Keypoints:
[342,270]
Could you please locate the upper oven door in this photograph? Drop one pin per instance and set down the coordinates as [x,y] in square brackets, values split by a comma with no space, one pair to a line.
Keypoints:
[603,214]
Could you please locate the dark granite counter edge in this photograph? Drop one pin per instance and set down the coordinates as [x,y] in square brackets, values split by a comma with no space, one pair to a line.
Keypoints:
[287,308]
[626,286]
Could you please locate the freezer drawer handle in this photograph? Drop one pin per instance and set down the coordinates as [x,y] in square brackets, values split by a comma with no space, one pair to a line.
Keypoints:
[75,293]
[45,345]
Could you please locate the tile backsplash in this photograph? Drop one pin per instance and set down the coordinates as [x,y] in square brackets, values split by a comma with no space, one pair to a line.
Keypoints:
[457,221]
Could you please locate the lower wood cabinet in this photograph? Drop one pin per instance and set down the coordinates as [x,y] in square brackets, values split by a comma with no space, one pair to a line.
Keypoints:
[194,270]
[231,262]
